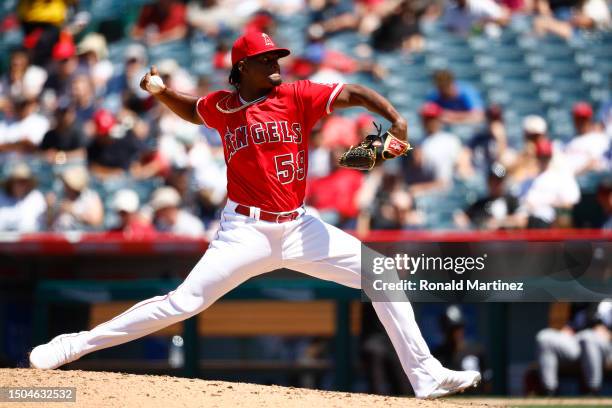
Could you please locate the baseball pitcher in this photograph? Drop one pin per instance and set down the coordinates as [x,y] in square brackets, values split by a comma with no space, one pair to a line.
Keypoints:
[265,126]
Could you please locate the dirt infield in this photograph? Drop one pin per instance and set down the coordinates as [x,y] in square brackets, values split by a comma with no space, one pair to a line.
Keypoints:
[101,389]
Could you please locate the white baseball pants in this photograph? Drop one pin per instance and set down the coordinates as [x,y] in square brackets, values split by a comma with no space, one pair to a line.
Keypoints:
[244,248]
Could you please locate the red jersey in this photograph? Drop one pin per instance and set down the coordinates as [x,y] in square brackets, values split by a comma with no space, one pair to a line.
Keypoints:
[266,142]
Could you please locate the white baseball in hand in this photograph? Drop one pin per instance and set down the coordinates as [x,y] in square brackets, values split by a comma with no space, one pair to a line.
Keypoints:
[155,84]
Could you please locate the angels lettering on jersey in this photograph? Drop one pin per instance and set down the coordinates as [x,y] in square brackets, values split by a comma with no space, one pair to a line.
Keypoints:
[257,133]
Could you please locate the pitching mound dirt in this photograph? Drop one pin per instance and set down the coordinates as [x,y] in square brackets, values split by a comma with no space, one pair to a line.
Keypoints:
[102,389]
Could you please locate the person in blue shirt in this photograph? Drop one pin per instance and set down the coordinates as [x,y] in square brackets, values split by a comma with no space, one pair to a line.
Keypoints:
[461,103]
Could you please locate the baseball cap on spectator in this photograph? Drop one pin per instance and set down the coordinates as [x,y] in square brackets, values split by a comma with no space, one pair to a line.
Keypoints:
[582,110]
[93,42]
[135,52]
[165,197]
[364,121]
[339,132]
[604,312]
[21,171]
[261,21]
[64,48]
[126,200]
[431,110]
[254,43]
[33,81]
[543,148]
[104,122]
[534,124]
[76,178]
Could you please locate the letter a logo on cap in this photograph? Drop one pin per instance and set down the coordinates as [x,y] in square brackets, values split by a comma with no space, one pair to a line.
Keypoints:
[267,40]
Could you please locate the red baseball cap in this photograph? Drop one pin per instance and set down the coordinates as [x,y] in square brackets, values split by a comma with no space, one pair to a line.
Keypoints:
[364,121]
[254,43]
[544,148]
[431,110]
[582,110]
[104,122]
[63,50]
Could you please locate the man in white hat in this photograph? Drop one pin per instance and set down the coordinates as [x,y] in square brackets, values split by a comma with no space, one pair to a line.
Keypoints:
[79,208]
[22,206]
[131,223]
[93,56]
[168,217]
[524,165]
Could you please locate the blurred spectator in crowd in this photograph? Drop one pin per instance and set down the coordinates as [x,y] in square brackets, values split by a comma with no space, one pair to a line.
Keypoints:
[135,59]
[562,17]
[175,138]
[497,210]
[335,195]
[83,96]
[604,199]
[604,115]
[552,193]
[518,6]
[66,140]
[324,65]
[22,206]
[24,132]
[419,178]
[113,150]
[261,22]
[209,178]
[331,16]
[587,150]
[222,58]
[176,76]
[93,58]
[214,18]
[64,69]
[41,21]
[464,16]
[319,155]
[78,207]
[399,29]
[523,166]
[160,22]
[169,217]
[22,80]
[345,131]
[584,340]
[490,144]
[461,103]
[457,352]
[440,149]
[385,203]
[131,223]
[180,179]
